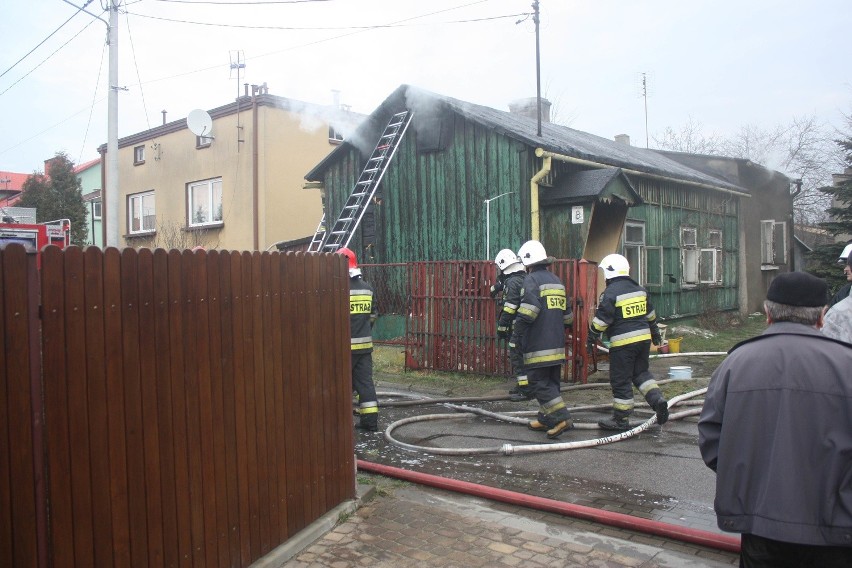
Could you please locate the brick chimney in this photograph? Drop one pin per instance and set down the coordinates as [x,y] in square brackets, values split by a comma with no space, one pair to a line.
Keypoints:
[529,108]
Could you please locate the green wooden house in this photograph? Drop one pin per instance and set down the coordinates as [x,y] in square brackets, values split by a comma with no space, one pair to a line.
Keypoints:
[468,180]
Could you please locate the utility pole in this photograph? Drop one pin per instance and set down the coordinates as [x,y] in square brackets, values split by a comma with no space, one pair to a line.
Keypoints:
[111,189]
[537,64]
[645,95]
[110,196]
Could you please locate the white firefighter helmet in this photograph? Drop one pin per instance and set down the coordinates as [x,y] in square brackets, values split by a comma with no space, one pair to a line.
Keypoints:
[532,252]
[844,256]
[614,265]
[508,262]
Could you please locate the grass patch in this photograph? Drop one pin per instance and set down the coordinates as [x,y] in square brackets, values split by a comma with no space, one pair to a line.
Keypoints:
[719,339]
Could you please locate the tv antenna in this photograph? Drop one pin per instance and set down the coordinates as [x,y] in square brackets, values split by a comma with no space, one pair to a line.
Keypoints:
[238,63]
[643,92]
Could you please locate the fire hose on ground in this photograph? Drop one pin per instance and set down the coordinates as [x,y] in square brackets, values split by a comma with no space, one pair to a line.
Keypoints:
[610,518]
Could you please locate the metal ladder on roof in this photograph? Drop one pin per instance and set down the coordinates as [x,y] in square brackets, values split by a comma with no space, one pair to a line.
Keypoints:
[341,232]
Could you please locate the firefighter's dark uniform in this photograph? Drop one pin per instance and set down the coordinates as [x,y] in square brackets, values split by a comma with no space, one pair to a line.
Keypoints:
[362,315]
[510,301]
[626,315]
[539,334]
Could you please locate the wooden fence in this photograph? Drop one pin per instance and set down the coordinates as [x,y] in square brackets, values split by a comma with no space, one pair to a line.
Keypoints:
[168,408]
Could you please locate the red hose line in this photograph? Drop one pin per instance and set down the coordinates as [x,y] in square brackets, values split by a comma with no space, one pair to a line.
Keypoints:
[620,520]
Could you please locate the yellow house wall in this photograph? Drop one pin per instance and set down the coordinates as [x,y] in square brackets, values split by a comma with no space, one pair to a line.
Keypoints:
[292,145]
[289,145]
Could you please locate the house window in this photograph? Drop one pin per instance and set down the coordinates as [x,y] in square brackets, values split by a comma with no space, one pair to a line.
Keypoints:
[140,210]
[334,135]
[205,202]
[203,141]
[139,155]
[689,255]
[634,245]
[96,210]
[773,243]
[710,261]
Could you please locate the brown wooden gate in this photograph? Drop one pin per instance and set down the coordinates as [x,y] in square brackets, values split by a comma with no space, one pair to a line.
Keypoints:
[169,408]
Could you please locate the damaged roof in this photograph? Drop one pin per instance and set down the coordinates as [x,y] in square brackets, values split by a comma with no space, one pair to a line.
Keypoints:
[554,138]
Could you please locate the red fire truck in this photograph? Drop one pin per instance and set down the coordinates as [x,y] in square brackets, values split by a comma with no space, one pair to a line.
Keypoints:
[34,237]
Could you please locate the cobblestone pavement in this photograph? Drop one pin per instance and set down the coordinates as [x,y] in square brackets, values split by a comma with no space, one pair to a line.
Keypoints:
[409,525]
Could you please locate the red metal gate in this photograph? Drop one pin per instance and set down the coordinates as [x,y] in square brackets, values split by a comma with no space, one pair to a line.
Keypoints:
[452,318]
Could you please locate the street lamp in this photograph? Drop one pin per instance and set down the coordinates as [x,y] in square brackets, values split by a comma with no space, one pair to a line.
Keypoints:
[488,223]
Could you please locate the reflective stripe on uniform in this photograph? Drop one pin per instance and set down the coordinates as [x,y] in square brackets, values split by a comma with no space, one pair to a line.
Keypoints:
[568,318]
[599,325]
[510,308]
[630,337]
[647,386]
[622,404]
[544,356]
[632,304]
[369,408]
[359,343]
[360,302]
[553,295]
[523,380]
[528,310]
[552,406]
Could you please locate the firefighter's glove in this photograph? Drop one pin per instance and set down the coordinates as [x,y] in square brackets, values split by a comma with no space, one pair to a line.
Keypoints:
[496,288]
[502,333]
[655,336]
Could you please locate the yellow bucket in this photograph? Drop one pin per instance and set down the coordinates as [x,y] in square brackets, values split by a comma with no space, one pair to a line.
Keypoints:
[674,344]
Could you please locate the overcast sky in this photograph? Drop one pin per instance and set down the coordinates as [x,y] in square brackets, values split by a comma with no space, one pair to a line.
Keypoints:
[722,63]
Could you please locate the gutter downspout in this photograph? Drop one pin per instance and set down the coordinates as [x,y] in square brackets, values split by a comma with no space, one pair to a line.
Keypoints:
[541,152]
[535,225]
[254,167]
[791,235]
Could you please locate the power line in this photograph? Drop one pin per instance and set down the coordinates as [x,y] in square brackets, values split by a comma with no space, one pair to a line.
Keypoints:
[45,39]
[138,77]
[241,3]
[92,108]
[46,58]
[324,28]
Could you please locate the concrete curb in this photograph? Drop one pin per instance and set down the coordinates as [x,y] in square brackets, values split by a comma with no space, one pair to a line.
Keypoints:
[308,535]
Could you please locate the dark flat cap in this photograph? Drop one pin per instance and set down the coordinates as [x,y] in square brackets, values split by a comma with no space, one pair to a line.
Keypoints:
[798,289]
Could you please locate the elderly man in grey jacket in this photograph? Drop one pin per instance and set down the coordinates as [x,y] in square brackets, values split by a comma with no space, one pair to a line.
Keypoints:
[776,428]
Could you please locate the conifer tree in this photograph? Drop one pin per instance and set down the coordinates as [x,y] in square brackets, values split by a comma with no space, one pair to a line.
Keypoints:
[57,194]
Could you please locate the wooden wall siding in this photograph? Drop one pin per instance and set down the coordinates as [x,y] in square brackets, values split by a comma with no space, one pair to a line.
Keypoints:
[432,204]
[197,406]
[667,208]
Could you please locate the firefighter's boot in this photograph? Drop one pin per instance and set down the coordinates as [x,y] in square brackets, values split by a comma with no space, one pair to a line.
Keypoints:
[662,410]
[369,422]
[618,422]
[657,401]
[537,426]
[561,427]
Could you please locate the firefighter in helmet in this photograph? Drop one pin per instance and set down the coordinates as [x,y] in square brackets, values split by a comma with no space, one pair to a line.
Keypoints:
[539,335]
[626,315]
[362,315]
[511,274]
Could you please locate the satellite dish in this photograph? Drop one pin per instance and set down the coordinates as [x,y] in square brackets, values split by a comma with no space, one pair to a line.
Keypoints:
[200,123]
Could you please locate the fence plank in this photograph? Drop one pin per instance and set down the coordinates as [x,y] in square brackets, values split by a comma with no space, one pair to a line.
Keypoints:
[217,412]
[56,407]
[262,475]
[164,404]
[132,407]
[280,423]
[269,379]
[177,334]
[242,370]
[7,537]
[77,404]
[115,401]
[232,464]
[149,407]
[21,478]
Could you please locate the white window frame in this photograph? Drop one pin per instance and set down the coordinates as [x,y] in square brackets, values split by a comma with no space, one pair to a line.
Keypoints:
[203,141]
[97,210]
[140,202]
[334,136]
[770,243]
[139,155]
[636,268]
[689,257]
[214,206]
